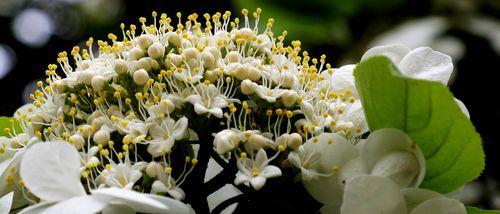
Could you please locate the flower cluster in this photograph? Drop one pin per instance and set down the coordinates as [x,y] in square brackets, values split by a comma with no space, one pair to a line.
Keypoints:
[121,125]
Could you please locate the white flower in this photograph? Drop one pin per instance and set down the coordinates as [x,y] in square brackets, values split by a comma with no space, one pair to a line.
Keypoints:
[421,63]
[341,79]
[165,134]
[256,171]
[51,172]
[123,175]
[226,140]
[166,184]
[208,100]
[9,178]
[317,156]
[376,194]
[387,153]
[327,189]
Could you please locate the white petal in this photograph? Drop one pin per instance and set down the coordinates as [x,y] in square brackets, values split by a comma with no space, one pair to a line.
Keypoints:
[425,63]
[219,101]
[343,79]
[51,171]
[372,194]
[180,128]
[328,190]
[118,208]
[158,187]
[440,205]
[352,169]
[78,205]
[140,202]
[176,193]
[402,167]
[294,158]
[462,107]
[271,172]
[200,109]
[6,203]
[174,206]
[383,142]
[241,178]
[415,196]
[258,182]
[261,158]
[356,115]
[336,152]
[394,52]
[217,112]
[37,208]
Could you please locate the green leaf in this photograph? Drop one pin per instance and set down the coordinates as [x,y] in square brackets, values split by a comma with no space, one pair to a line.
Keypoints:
[6,123]
[428,113]
[474,210]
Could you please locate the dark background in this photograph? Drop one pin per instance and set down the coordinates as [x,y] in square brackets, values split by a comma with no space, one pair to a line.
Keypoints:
[468,30]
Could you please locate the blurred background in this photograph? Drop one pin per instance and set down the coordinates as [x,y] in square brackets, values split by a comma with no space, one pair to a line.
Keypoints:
[32,32]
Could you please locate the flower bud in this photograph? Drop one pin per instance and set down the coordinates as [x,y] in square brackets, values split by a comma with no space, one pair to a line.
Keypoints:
[87,131]
[241,72]
[289,98]
[135,54]
[154,64]
[77,140]
[143,64]
[233,56]
[140,77]
[294,141]
[247,87]
[210,75]
[98,82]
[191,53]
[156,50]
[167,106]
[214,51]
[225,141]
[98,122]
[174,39]
[173,60]
[253,73]
[86,76]
[288,80]
[152,169]
[101,137]
[208,59]
[121,66]
[58,86]
[144,41]
[258,141]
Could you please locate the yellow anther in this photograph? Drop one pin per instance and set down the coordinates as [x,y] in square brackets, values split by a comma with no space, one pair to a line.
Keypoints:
[168,169]
[315,139]
[85,174]
[194,161]
[269,112]
[335,168]
[279,112]
[243,155]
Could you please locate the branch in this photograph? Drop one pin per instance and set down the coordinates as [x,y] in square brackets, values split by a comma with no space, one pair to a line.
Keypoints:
[222,206]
